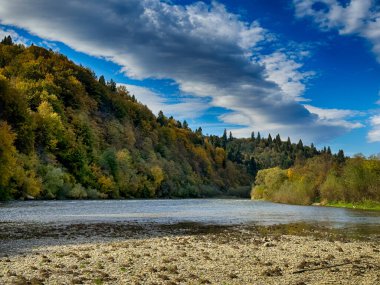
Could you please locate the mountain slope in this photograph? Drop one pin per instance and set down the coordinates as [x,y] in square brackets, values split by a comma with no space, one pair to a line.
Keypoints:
[64,133]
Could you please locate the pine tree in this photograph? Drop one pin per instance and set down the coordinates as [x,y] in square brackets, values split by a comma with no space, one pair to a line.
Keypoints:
[288,143]
[7,41]
[102,80]
[300,145]
[112,85]
[161,119]
[224,139]
[340,157]
[230,138]
[278,140]
[269,139]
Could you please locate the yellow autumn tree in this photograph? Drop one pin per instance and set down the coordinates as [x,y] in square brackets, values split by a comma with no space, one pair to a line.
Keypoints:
[8,161]
[51,124]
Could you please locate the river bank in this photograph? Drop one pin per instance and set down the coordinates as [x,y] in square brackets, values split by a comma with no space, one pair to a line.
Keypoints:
[367,205]
[186,253]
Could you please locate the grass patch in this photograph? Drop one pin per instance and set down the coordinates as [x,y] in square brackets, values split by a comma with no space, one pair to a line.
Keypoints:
[365,205]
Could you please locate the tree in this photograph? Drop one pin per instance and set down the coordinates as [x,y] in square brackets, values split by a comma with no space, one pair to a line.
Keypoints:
[50,125]
[224,139]
[288,143]
[340,157]
[102,80]
[8,161]
[112,85]
[230,138]
[269,139]
[300,145]
[278,140]
[185,125]
[161,119]
[252,166]
[7,41]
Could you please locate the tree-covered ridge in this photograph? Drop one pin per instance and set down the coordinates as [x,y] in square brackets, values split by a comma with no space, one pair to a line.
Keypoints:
[258,153]
[64,133]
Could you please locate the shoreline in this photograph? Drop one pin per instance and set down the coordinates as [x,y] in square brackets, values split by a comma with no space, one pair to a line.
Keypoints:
[186,253]
[374,206]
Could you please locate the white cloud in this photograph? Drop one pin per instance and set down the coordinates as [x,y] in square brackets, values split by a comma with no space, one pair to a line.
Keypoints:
[285,72]
[235,119]
[186,108]
[209,52]
[337,117]
[374,133]
[358,17]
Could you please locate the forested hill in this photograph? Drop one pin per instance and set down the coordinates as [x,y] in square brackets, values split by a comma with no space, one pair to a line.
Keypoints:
[64,133]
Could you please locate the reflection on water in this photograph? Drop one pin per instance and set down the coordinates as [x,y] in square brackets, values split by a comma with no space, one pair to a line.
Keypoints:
[217,211]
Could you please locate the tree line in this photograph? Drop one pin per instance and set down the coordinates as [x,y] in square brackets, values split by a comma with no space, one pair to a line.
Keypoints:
[324,179]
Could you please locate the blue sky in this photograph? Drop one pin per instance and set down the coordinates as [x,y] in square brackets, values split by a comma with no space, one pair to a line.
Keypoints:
[306,69]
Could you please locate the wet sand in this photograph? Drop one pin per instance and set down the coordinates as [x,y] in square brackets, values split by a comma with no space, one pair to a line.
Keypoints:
[185,253]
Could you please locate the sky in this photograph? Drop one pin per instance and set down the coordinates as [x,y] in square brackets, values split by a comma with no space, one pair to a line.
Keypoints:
[307,69]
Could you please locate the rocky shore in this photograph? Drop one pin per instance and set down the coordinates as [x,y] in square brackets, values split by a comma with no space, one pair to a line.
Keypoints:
[185,254]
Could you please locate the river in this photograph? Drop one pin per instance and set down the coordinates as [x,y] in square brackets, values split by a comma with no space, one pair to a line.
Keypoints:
[209,211]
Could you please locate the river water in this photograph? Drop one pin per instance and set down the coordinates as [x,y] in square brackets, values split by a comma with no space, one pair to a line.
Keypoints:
[213,211]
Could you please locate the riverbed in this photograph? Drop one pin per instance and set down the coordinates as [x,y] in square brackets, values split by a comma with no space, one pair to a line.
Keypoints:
[212,241]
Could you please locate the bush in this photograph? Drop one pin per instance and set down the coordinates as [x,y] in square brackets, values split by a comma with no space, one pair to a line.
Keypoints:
[257,192]
[296,192]
[52,181]
[77,192]
[332,189]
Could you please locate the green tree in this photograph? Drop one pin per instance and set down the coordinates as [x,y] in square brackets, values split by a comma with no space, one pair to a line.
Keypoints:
[224,139]
[102,80]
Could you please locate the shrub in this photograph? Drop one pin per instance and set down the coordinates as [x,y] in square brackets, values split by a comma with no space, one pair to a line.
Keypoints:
[332,189]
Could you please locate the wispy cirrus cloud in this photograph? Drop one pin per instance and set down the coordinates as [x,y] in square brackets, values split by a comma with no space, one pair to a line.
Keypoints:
[206,50]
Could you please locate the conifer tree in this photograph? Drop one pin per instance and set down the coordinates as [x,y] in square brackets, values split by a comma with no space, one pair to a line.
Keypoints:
[224,139]
[7,41]
[102,80]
